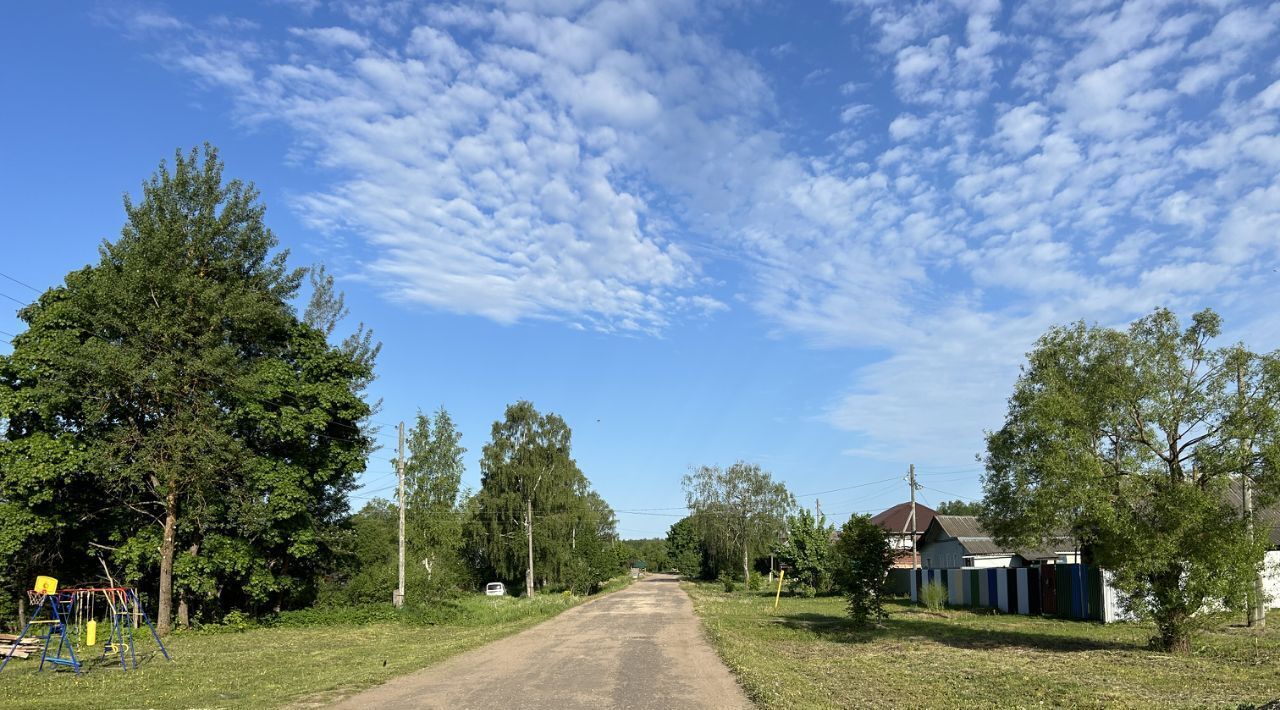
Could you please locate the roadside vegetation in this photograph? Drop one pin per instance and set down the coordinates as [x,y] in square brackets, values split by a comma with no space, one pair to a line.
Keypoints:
[309,657]
[182,417]
[809,654]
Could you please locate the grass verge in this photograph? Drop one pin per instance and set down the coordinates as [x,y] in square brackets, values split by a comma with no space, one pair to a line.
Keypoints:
[808,655]
[286,664]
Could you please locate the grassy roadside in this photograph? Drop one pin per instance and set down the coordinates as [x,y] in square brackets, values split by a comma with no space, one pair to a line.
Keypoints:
[306,666]
[807,655]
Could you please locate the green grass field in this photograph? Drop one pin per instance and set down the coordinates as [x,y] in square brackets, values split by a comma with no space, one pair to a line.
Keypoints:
[807,655]
[305,666]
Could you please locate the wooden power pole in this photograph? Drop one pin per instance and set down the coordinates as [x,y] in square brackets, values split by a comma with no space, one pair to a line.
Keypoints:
[398,597]
[911,480]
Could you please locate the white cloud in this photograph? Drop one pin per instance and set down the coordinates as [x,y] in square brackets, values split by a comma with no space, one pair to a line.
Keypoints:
[580,163]
[907,126]
[1021,128]
[335,37]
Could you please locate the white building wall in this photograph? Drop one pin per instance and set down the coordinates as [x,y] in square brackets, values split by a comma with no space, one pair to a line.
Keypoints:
[1271,579]
[985,561]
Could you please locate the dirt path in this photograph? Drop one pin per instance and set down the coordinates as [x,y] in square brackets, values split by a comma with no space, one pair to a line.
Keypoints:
[641,647]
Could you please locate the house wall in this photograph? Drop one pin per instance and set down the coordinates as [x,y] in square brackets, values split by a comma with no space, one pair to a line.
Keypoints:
[942,554]
[1271,579]
[987,561]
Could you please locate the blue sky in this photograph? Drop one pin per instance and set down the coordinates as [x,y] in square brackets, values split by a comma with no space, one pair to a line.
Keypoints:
[816,236]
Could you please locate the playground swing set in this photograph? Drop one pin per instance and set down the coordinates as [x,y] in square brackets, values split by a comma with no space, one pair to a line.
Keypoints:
[70,616]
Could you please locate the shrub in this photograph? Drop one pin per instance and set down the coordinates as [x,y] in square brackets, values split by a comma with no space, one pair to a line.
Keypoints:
[933,595]
[730,584]
[804,591]
[866,556]
[755,582]
[238,621]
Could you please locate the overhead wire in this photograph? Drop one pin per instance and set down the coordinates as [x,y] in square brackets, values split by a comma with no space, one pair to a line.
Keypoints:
[20,283]
[846,488]
[948,493]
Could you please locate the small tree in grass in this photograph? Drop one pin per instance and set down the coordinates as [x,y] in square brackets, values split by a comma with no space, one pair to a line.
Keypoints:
[807,550]
[863,557]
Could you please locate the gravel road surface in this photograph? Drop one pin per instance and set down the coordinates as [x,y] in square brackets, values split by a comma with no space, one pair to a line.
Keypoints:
[641,647]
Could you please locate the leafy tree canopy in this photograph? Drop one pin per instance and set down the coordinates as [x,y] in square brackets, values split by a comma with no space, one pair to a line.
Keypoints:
[808,550]
[862,557]
[167,408]
[1132,441]
[959,507]
[737,509]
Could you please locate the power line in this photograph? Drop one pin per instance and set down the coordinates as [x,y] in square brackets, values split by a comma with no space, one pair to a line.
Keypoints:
[947,493]
[11,298]
[846,488]
[20,283]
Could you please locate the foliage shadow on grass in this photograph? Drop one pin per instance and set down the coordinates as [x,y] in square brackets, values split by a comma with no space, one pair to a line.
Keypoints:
[843,630]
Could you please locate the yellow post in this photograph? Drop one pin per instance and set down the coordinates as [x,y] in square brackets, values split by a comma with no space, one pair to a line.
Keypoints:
[91,633]
[776,597]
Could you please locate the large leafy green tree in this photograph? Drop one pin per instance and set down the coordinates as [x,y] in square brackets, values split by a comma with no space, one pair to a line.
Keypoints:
[739,508]
[1132,441]
[174,384]
[530,485]
[685,547]
[433,518]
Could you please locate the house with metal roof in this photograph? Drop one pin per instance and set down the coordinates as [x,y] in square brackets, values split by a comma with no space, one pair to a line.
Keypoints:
[953,541]
[898,523]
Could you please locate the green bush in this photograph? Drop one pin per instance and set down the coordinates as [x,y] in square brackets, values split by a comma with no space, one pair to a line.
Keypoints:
[238,621]
[755,581]
[805,591]
[730,584]
[933,595]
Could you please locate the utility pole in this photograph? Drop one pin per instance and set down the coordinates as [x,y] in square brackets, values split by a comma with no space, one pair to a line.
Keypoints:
[528,526]
[911,480]
[1256,615]
[398,597]
[818,504]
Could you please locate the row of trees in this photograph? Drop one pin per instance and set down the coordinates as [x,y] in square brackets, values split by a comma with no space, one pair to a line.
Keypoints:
[457,540]
[741,517]
[170,420]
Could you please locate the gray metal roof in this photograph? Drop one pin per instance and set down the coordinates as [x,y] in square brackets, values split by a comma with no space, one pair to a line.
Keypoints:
[969,533]
[1265,520]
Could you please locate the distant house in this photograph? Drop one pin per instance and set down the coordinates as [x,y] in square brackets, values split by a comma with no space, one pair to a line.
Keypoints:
[954,541]
[897,521]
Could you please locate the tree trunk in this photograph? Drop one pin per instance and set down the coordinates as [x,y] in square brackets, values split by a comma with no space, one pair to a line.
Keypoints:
[164,614]
[22,612]
[528,576]
[1174,637]
[746,564]
[184,606]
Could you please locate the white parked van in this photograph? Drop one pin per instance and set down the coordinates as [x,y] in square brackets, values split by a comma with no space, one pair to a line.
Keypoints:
[495,589]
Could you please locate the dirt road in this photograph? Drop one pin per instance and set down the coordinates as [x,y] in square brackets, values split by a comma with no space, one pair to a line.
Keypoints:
[641,647]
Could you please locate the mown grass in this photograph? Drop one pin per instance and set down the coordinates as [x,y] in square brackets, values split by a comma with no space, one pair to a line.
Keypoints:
[286,664]
[808,655]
